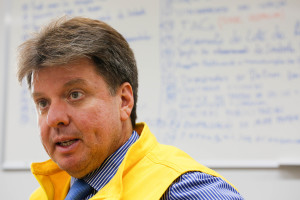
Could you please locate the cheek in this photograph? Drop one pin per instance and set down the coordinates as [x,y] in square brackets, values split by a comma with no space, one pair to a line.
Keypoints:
[94,117]
[45,140]
[90,125]
[88,120]
[95,126]
[44,131]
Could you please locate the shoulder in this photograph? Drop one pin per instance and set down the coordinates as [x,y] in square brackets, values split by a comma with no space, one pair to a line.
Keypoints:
[198,185]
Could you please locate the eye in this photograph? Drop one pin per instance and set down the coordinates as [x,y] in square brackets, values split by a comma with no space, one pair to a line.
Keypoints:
[75,95]
[42,104]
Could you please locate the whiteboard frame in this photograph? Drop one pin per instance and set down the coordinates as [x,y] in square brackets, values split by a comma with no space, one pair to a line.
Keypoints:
[25,166]
[22,165]
[5,47]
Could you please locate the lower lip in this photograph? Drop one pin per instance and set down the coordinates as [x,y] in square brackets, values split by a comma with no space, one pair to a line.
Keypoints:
[67,149]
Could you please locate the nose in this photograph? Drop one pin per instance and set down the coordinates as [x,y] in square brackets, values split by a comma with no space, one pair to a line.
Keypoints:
[57,115]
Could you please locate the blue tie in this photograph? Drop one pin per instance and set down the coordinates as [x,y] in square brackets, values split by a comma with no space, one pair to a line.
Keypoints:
[79,190]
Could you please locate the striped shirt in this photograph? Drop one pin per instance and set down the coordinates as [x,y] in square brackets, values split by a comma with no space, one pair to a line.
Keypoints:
[197,185]
[101,176]
[191,185]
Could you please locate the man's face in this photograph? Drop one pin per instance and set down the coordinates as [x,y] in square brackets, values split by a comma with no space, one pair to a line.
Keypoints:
[80,121]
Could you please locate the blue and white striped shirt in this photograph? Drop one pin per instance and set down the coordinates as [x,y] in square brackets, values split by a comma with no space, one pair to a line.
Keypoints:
[191,185]
[101,176]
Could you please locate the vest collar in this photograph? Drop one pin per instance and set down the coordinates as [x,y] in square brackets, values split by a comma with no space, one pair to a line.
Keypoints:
[47,172]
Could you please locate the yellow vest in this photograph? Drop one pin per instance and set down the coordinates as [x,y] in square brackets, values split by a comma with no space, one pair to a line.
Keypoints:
[146,172]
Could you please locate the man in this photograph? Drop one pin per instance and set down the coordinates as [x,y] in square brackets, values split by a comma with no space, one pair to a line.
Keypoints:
[82,76]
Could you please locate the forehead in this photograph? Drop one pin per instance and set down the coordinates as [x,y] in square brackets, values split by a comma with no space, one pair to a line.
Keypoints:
[82,69]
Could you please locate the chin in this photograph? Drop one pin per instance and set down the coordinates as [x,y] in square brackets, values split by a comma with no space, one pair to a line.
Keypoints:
[74,168]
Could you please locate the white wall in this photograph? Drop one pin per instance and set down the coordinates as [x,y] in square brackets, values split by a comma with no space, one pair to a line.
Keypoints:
[254,184]
[266,184]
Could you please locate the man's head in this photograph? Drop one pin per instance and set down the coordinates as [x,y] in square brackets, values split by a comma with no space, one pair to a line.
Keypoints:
[83,79]
[64,41]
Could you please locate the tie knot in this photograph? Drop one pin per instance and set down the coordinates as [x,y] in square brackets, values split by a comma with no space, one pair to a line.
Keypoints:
[79,190]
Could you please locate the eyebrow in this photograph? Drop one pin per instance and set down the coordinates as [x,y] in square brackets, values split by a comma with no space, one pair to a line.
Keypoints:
[77,81]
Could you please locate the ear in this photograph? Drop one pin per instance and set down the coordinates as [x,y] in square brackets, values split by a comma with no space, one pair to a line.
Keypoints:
[127,101]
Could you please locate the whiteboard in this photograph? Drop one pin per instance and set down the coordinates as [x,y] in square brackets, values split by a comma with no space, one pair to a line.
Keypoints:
[220,80]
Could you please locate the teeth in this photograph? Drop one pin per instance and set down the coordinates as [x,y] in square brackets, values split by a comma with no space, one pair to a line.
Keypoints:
[66,143]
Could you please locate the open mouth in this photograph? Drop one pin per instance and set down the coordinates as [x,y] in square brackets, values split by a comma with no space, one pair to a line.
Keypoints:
[66,143]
